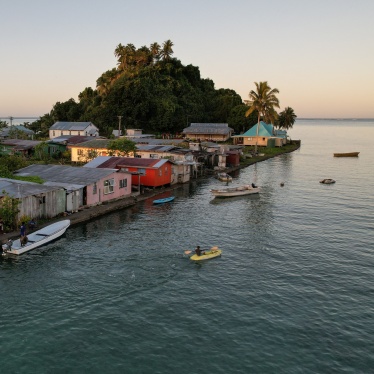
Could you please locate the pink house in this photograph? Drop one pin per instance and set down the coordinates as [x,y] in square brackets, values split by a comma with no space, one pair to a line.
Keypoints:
[84,186]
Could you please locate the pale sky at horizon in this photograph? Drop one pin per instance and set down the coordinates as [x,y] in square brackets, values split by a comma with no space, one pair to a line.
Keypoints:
[319,54]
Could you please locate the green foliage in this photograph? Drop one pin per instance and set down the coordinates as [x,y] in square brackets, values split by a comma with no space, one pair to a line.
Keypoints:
[151,89]
[31,178]
[121,147]
[286,119]
[12,162]
[9,211]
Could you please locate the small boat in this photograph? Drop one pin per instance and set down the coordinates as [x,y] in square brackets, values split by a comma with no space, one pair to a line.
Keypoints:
[224,177]
[207,255]
[327,181]
[165,200]
[37,238]
[236,191]
[349,154]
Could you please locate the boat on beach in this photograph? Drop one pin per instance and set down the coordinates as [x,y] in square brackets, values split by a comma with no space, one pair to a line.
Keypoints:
[235,191]
[37,238]
[165,200]
[224,177]
[348,154]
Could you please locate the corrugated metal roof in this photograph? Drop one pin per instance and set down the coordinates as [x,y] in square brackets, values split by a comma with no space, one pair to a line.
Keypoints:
[208,128]
[96,143]
[155,148]
[66,174]
[98,161]
[5,130]
[21,142]
[75,126]
[19,189]
[70,139]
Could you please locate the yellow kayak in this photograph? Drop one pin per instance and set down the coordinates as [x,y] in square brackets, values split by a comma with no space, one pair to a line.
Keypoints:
[213,252]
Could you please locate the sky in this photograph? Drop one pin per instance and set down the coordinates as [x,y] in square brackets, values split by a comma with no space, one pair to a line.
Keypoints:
[319,54]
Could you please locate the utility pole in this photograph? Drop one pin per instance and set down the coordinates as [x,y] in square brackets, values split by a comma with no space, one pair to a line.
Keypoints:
[119,125]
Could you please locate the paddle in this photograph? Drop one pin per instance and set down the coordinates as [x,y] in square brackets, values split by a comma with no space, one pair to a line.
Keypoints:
[187,252]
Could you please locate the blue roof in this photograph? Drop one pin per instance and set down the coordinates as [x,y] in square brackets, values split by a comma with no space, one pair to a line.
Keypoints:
[264,130]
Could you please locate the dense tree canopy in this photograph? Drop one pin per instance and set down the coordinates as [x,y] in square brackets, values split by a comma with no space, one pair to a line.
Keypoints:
[155,92]
[152,91]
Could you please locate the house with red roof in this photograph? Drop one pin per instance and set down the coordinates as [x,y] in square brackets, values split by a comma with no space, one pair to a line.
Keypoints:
[147,172]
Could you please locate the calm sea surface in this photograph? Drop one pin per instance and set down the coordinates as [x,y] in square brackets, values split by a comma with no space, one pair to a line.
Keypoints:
[292,293]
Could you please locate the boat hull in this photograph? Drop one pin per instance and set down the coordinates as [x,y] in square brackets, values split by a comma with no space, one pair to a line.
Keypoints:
[207,256]
[162,201]
[349,154]
[239,191]
[38,238]
[223,177]
[327,181]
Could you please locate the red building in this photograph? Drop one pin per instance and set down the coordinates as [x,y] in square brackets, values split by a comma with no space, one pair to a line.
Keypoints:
[233,158]
[148,172]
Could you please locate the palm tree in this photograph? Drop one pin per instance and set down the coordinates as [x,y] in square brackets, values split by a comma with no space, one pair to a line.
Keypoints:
[286,119]
[167,50]
[263,100]
[155,49]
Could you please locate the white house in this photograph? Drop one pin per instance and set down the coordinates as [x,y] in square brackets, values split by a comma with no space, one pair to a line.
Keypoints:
[73,128]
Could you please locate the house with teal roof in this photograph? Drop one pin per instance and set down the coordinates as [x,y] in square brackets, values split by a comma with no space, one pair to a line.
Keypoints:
[252,137]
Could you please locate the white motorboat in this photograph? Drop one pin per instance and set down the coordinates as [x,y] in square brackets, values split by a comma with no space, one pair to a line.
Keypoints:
[37,238]
[224,177]
[235,191]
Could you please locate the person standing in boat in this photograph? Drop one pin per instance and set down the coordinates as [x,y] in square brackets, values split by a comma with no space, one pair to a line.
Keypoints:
[198,251]
[23,233]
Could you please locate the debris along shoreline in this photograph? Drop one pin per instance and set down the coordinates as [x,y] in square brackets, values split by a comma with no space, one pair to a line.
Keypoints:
[88,213]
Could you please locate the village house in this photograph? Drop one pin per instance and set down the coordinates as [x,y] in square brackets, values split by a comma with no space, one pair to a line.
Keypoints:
[219,132]
[18,146]
[60,144]
[9,131]
[73,128]
[145,172]
[86,151]
[35,200]
[260,137]
[83,186]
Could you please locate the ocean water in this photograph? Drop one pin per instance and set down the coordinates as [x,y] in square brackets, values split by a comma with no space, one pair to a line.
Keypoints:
[292,292]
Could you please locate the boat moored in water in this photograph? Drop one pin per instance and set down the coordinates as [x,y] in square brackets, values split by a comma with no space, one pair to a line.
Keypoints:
[165,200]
[224,177]
[327,181]
[236,191]
[37,238]
[348,154]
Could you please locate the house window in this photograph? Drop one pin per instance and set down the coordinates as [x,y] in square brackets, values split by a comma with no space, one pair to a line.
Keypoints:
[160,172]
[108,186]
[80,152]
[138,156]
[94,190]
[123,183]
[53,132]
[142,171]
[153,155]
[166,170]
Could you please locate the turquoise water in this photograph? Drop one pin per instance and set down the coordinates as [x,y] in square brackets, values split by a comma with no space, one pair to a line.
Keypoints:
[292,292]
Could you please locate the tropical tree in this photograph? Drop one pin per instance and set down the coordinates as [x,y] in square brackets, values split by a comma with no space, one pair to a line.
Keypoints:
[155,49]
[121,147]
[167,50]
[286,119]
[264,100]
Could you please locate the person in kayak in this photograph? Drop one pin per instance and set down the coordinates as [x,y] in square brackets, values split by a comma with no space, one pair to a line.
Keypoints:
[198,251]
